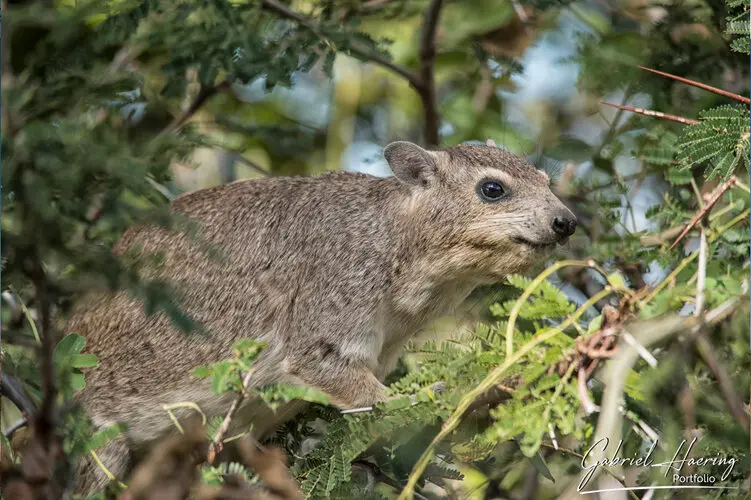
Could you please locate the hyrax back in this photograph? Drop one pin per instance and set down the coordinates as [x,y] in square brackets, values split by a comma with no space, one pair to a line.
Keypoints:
[334,272]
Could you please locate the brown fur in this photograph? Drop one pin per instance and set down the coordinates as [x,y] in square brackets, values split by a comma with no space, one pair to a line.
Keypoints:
[335,272]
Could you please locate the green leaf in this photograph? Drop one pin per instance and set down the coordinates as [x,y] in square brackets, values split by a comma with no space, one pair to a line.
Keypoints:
[539,462]
[84,361]
[70,344]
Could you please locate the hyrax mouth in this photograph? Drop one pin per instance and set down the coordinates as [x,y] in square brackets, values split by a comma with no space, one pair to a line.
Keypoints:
[537,246]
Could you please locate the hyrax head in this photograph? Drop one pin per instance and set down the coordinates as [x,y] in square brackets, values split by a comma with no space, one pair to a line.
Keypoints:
[490,212]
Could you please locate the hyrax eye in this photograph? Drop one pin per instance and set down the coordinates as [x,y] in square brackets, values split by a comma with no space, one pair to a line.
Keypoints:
[491,190]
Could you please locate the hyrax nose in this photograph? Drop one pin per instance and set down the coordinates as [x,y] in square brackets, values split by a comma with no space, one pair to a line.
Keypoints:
[564,225]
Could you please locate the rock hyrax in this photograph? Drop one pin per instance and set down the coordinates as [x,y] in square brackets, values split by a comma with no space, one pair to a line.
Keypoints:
[334,272]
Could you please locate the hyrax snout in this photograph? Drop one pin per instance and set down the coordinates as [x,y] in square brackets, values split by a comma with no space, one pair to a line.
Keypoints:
[335,273]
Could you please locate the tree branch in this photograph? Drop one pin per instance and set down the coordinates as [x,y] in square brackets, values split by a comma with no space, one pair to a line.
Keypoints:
[426,87]
[287,13]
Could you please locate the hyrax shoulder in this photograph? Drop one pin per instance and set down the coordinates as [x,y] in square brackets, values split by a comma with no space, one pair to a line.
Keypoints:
[334,272]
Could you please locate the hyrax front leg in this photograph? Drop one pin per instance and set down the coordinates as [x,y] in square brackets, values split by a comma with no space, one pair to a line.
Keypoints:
[348,384]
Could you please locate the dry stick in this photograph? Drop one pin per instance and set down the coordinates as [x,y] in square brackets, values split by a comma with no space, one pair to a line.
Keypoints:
[654,114]
[714,90]
[699,216]
[493,378]
[426,89]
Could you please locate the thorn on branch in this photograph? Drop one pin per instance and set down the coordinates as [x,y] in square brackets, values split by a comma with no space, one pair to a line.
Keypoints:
[654,114]
[714,90]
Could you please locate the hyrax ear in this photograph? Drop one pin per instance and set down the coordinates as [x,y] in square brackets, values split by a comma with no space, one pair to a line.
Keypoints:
[410,163]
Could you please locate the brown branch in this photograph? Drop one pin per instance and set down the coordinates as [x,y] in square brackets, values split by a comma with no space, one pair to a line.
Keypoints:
[365,54]
[655,114]
[704,211]
[426,87]
[46,418]
[714,90]
[44,450]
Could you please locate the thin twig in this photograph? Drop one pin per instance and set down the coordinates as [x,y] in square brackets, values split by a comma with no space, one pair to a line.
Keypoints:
[426,89]
[703,212]
[216,445]
[654,114]
[714,90]
[612,128]
[240,158]
[204,94]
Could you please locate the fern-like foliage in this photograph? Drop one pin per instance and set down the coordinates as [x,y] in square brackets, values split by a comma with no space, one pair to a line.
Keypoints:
[721,141]
[738,24]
